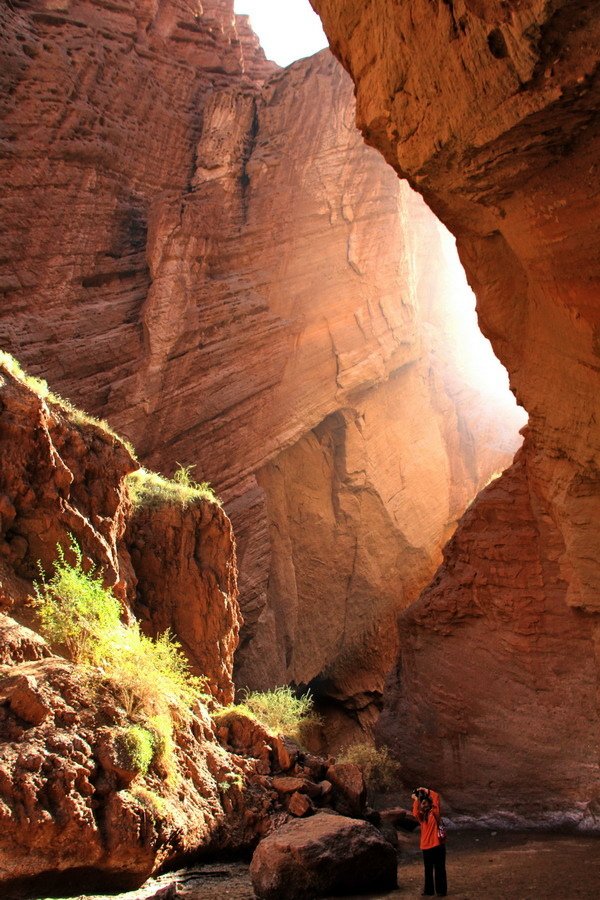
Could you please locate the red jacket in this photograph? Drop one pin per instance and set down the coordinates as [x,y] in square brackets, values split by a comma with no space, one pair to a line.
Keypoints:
[430,822]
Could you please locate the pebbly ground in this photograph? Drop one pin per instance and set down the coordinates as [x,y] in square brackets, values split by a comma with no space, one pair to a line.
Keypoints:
[494,865]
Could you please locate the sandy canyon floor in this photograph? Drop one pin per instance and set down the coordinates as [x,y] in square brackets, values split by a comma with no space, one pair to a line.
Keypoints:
[499,866]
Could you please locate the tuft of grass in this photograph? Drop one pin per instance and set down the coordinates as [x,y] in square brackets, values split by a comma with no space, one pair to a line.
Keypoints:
[492,477]
[75,415]
[231,780]
[280,711]
[135,745]
[150,800]
[151,489]
[380,770]
[150,678]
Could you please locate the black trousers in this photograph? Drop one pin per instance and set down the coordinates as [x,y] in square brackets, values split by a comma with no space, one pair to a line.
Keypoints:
[434,861]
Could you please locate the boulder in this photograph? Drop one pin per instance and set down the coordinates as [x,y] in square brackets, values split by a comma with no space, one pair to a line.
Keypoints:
[323,855]
[398,817]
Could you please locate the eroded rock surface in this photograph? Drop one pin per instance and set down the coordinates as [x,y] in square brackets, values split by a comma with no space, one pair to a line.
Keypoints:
[264,300]
[186,581]
[68,801]
[490,110]
[531,671]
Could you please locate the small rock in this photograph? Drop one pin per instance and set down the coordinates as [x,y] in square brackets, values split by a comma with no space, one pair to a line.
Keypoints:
[25,699]
[284,754]
[299,805]
[288,784]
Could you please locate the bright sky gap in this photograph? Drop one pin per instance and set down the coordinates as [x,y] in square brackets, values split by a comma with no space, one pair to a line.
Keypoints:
[288,29]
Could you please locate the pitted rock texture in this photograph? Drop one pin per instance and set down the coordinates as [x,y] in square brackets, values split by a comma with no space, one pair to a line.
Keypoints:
[57,479]
[71,808]
[490,110]
[69,802]
[63,478]
[263,299]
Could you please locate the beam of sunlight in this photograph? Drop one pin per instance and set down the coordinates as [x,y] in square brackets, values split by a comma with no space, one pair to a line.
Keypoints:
[288,29]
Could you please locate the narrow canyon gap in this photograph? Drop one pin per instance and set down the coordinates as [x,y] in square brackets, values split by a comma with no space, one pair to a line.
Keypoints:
[490,111]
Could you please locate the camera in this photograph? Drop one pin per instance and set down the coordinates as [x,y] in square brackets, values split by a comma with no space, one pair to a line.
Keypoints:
[420,794]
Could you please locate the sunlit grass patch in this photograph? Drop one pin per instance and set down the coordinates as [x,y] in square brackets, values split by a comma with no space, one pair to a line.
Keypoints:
[135,745]
[150,678]
[148,488]
[279,710]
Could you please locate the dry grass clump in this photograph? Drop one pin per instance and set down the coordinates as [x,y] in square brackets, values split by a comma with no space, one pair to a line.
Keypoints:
[280,711]
[74,415]
[151,489]
[380,770]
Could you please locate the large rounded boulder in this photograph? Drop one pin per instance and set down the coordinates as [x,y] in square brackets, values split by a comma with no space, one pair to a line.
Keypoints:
[324,854]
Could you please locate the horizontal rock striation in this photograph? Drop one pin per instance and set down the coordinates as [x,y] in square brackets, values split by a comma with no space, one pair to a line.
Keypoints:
[490,110]
[265,302]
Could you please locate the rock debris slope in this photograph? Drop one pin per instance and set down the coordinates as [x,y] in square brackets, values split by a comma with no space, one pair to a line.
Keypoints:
[200,248]
[490,110]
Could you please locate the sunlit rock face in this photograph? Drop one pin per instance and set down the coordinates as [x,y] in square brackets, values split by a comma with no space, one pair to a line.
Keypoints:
[495,688]
[490,110]
[102,106]
[212,259]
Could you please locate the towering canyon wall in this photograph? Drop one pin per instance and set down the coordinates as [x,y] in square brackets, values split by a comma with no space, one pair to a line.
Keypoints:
[490,110]
[201,249]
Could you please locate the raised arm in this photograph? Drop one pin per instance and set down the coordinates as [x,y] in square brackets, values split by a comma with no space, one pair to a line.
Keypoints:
[435,804]
[415,809]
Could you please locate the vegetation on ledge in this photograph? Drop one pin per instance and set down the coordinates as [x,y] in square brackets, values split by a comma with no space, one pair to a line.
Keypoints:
[280,711]
[75,415]
[380,770]
[148,488]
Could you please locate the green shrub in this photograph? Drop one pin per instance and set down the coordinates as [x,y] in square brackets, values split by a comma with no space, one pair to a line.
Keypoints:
[75,415]
[136,746]
[75,609]
[380,770]
[151,489]
[279,710]
[151,678]
[231,780]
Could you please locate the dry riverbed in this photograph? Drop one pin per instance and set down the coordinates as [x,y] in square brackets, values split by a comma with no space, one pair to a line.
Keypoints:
[498,866]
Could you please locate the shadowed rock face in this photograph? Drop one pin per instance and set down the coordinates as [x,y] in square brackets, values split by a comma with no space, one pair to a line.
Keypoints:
[489,109]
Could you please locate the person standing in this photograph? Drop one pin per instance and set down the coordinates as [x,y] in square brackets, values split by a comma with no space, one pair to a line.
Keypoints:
[426,808]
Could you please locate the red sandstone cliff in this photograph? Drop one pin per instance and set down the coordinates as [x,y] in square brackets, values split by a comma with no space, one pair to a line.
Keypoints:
[264,300]
[490,110]
[66,798]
